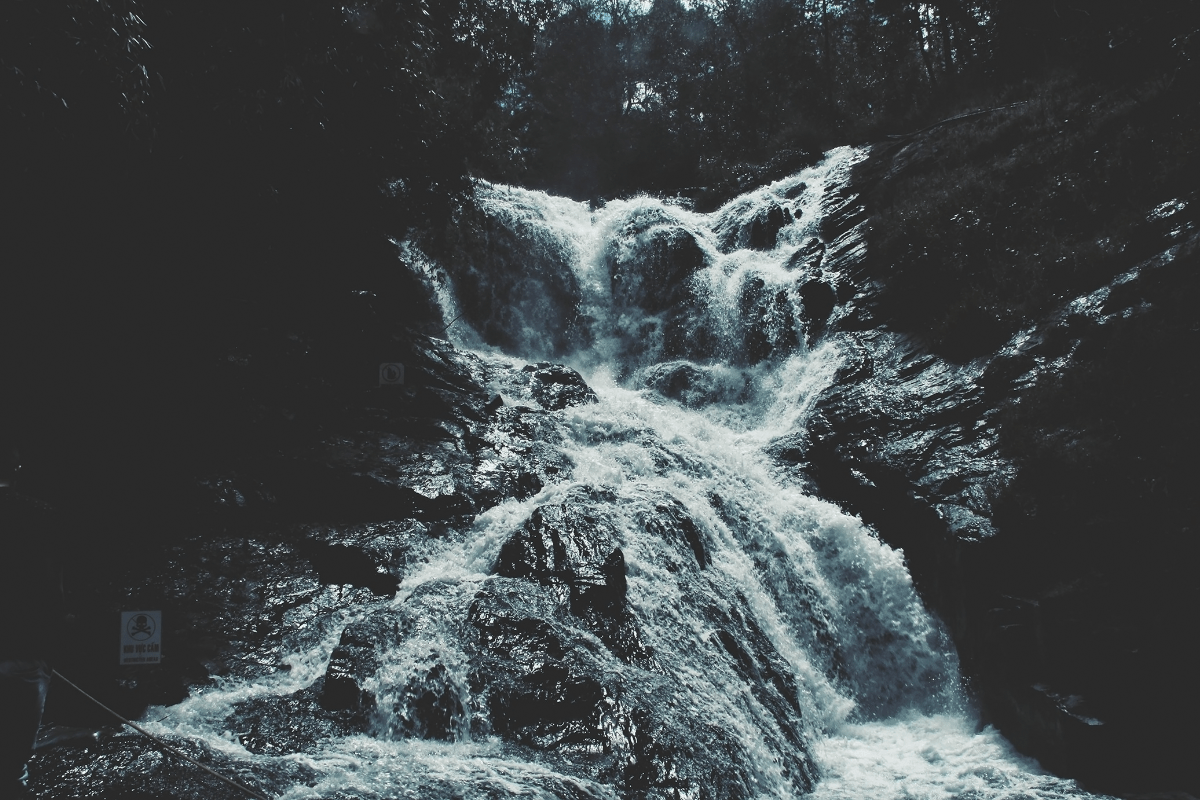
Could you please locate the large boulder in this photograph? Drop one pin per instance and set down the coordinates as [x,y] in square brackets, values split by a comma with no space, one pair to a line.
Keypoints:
[563,666]
[651,260]
[512,282]
[767,321]
[572,549]
[556,387]
[696,385]
[751,223]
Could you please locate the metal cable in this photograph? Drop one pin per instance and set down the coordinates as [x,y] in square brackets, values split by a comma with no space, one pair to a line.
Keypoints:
[169,748]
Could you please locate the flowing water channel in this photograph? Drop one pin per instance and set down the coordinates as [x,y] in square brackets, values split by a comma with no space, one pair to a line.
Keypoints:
[701,337]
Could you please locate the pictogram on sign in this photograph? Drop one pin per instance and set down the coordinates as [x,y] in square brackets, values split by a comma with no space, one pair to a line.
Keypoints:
[141,637]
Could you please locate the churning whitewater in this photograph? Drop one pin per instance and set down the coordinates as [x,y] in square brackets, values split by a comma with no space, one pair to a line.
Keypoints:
[670,613]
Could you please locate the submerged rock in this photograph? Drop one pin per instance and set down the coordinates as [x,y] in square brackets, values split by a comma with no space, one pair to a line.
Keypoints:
[430,706]
[356,659]
[767,322]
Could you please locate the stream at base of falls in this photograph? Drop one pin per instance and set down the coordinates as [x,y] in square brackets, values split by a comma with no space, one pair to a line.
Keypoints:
[667,611]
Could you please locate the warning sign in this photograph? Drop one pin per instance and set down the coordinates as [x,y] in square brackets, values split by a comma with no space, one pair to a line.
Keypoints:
[141,637]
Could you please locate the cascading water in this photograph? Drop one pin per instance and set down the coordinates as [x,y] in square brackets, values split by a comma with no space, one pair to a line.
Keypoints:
[671,614]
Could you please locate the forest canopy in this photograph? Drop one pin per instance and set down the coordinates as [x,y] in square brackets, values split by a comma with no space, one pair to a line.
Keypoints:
[253,148]
[586,97]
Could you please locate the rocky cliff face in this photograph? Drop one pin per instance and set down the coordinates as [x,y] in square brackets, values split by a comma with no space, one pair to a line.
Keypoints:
[1039,493]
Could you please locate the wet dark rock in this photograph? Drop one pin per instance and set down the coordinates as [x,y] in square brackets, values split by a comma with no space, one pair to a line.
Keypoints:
[671,521]
[121,766]
[989,474]
[547,685]
[387,545]
[294,723]
[512,285]
[789,449]
[817,300]
[904,439]
[796,191]
[695,385]
[345,564]
[745,226]
[356,659]
[515,454]
[230,493]
[771,682]
[808,256]
[556,387]
[687,333]
[237,604]
[561,544]
[548,691]
[765,227]
[430,706]
[518,621]
[535,691]
[652,262]
[767,320]
[572,549]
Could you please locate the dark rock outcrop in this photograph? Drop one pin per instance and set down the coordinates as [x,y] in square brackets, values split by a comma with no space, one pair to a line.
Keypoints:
[549,685]
[980,471]
[652,261]
[808,256]
[512,285]
[759,230]
[817,301]
[556,387]
[764,230]
[695,385]
[571,549]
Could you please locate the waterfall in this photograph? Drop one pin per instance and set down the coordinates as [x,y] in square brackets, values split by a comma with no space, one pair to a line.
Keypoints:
[704,625]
